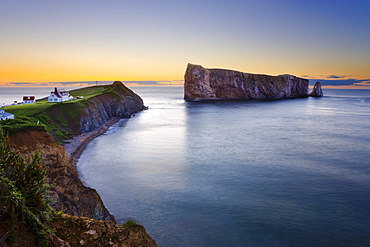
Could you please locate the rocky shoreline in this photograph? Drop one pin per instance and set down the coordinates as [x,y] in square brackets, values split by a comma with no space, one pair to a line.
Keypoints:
[75,147]
[86,221]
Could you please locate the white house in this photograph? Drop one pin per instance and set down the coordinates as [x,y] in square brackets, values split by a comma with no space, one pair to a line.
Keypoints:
[29,99]
[5,115]
[59,96]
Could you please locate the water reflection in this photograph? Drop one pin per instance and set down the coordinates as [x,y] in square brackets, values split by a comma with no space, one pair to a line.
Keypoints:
[232,173]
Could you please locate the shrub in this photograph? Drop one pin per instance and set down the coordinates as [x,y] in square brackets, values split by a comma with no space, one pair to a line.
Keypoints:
[23,190]
[129,223]
[21,124]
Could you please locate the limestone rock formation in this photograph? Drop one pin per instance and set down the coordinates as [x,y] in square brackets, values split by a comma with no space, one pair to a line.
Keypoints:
[317,91]
[209,84]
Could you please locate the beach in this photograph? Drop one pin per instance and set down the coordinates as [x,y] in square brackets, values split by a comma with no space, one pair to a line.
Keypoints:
[74,147]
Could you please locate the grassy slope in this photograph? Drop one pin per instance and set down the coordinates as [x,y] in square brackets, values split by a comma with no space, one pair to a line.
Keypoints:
[43,104]
[65,114]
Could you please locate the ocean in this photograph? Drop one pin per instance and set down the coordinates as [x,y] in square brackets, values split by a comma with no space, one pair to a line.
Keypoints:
[239,173]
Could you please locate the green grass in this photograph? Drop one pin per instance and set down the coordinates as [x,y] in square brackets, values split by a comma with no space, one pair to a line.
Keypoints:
[42,105]
[28,109]
[89,92]
[61,119]
[21,124]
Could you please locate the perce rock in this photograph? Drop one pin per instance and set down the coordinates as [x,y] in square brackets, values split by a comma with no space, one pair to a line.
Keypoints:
[317,91]
[209,84]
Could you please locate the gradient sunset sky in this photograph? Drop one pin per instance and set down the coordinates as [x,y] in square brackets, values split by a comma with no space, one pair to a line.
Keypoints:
[91,40]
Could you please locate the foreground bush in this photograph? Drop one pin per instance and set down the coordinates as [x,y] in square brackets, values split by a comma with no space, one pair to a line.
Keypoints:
[22,193]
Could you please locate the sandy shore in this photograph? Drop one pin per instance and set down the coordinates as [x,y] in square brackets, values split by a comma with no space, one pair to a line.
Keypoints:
[74,147]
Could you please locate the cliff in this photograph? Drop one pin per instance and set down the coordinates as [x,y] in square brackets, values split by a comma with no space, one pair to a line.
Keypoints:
[88,222]
[67,191]
[100,104]
[121,102]
[209,84]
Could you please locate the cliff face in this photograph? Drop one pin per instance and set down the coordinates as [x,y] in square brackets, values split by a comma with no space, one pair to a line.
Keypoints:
[68,192]
[121,103]
[207,84]
[81,116]
[88,222]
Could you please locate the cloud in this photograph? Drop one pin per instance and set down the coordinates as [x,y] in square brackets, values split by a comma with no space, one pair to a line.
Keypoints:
[345,82]
[363,83]
[335,76]
[141,82]
[63,83]
[25,84]
[175,82]
[93,83]
[155,83]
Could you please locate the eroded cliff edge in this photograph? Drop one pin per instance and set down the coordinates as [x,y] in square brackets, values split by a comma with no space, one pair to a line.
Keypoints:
[209,84]
[114,101]
[90,223]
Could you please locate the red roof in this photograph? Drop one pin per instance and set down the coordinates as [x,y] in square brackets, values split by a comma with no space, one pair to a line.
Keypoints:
[56,94]
[28,97]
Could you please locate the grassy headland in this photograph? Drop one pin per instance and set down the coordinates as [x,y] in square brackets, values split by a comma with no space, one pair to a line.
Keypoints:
[61,120]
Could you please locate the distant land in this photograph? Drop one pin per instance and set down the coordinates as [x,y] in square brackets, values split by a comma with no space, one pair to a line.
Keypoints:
[325,83]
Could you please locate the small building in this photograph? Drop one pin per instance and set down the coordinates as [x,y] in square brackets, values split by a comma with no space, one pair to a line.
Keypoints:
[5,115]
[29,99]
[59,96]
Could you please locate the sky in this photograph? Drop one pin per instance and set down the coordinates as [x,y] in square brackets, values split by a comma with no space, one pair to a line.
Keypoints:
[151,42]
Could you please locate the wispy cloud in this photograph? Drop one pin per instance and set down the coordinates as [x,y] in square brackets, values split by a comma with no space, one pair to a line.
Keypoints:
[341,82]
[363,83]
[92,83]
[336,76]
[25,84]
[63,83]
[156,83]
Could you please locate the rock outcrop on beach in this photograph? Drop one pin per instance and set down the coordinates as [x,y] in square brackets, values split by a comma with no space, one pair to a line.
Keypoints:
[317,91]
[209,84]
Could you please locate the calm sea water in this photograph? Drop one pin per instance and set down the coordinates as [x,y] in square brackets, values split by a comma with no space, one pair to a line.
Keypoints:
[239,173]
